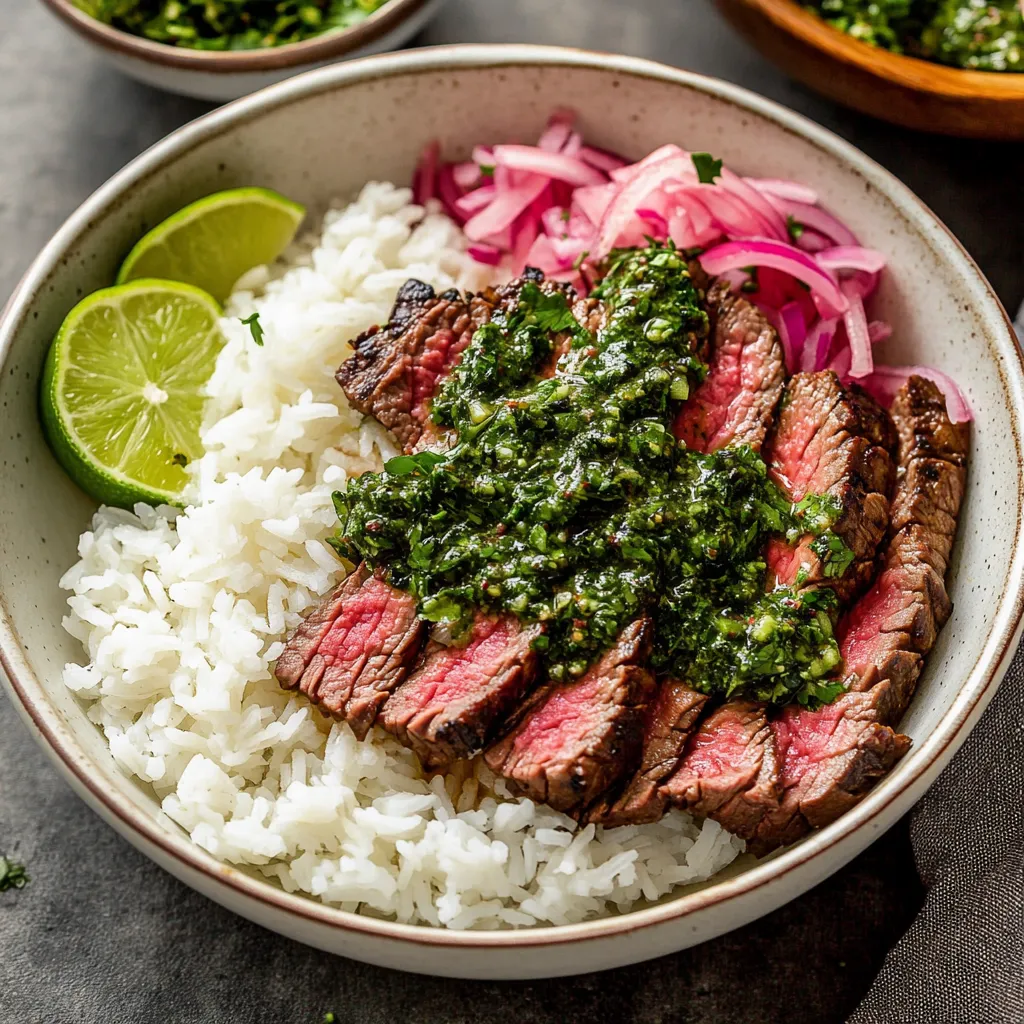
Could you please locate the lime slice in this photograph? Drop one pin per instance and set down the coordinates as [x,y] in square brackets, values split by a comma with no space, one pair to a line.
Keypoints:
[212,242]
[122,388]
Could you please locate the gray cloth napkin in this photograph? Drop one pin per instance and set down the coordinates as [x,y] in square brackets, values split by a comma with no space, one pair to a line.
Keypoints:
[962,960]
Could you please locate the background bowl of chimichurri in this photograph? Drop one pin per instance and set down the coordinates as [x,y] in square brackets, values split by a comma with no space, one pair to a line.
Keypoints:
[950,66]
[223,49]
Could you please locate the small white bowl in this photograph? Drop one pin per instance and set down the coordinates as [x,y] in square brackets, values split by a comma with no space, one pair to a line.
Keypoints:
[324,135]
[229,74]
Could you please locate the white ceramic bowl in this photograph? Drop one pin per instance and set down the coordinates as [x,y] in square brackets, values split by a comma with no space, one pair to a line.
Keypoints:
[226,75]
[323,135]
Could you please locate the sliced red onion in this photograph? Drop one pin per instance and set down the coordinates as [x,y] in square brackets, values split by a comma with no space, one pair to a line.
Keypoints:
[507,205]
[449,193]
[622,209]
[879,331]
[841,363]
[862,361]
[476,200]
[466,174]
[656,221]
[483,156]
[821,221]
[601,159]
[573,145]
[593,201]
[424,179]
[732,216]
[851,257]
[524,234]
[792,333]
[886,381]
[773,223]
[661,154]
[766,252]
[552,165]
[816,348]
[489,254]
[790,190]
[555,135]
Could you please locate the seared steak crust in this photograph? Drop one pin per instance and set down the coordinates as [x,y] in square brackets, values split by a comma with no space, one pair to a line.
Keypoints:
[730,769]
[832,439]
[671,717]
[831,757]
[571,741]
[448,708]
[394,372]
[354,649]
[735,402]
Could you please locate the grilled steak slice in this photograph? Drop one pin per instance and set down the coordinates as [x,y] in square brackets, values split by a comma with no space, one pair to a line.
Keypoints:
[671,718]
[829,759]
[730,769]
[571,741]
[832,439]
[887,633]
[932,476]
[394,372]
[832,756]
[447,708]
[354,649]
[735,402]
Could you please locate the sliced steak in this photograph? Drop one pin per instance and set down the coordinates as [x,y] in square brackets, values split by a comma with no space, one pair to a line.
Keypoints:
[831,757]
[448,707]
[932,476]
[832,439]
[730,769]
[571,741]
[394,371]
[354,649]
[671,718]
[735,402]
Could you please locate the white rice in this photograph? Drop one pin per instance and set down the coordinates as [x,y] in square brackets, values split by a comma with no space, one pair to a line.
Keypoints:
[182,617]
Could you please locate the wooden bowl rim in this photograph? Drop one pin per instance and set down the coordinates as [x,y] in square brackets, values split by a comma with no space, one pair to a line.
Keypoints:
[910,72]
[328,46]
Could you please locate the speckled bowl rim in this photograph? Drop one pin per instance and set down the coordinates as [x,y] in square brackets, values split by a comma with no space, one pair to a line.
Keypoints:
[807,856]
[329,46]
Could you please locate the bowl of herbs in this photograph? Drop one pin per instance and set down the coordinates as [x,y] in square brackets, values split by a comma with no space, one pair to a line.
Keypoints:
[950,66]
[223,49]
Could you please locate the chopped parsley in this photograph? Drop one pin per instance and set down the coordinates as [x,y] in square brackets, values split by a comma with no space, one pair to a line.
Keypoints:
[981,35]
[568,500]
[12,875]
[708,168]
[229,24]
[255,328]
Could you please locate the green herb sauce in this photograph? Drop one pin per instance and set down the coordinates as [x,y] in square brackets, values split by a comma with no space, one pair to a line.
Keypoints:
[568,500]
[229,24]
[983,35]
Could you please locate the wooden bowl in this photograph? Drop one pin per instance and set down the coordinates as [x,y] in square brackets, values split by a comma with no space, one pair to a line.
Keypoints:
[904,90]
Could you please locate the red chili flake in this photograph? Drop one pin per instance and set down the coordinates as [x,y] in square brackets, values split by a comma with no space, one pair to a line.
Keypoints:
[501,529]
[579,623]
[751,620]
[585,484]
[373,526]
[613,539]
[568,494]
[484,585]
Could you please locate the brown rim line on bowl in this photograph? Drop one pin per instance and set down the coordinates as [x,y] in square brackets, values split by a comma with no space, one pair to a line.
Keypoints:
[374,96]
[329,46]
[907,91]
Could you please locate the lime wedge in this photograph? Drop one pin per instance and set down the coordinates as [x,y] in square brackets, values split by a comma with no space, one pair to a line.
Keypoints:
[122,398]
[212,242]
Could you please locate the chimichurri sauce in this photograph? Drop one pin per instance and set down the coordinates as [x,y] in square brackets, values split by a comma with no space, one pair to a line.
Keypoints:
[568,500]
[982,35]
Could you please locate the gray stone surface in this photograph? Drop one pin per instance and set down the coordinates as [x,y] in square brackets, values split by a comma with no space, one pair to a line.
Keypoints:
[102,936]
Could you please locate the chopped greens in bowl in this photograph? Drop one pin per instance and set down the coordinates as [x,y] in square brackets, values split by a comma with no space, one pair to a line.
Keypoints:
[229,24]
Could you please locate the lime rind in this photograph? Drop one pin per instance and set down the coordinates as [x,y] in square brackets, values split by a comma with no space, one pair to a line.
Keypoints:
[121,395]
[212,242]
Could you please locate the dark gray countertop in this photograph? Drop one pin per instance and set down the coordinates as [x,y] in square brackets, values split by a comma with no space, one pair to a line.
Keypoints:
[102,936]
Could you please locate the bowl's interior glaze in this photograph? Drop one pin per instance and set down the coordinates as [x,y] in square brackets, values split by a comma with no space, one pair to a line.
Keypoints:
[329,141]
